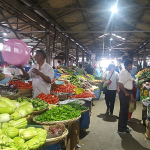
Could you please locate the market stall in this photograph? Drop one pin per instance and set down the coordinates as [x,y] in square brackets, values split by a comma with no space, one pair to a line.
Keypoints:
[144,85]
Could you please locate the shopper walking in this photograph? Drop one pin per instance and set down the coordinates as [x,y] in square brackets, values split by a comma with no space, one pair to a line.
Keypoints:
[111,79]
[125,86]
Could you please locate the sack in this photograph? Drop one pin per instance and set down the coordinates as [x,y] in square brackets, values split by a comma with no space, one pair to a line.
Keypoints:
[131,107]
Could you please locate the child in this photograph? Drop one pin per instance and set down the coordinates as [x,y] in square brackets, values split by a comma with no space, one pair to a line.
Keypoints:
[133,99]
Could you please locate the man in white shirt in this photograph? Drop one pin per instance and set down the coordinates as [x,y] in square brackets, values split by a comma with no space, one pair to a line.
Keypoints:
[125,86]
[41,74]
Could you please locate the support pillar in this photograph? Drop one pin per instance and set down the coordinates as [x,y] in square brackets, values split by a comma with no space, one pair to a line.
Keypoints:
[144,58]
[77,56]
[48,44]
[67,52]
[83,57]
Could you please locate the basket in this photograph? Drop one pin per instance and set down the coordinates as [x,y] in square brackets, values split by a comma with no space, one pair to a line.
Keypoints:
[12,97]
[39,112]
[24,91]
[57,139]
[82,112]
[65,122]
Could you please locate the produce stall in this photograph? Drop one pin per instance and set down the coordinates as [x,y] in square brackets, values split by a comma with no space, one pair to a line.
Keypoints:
[144,85]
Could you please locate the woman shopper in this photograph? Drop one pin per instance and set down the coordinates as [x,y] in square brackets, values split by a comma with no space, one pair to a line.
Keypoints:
[125,86]
[111,79]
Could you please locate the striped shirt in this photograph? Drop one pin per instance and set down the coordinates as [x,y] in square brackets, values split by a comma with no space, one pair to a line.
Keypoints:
[39,85]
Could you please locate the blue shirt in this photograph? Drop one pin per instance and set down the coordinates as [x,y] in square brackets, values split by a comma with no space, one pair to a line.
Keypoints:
[133,72]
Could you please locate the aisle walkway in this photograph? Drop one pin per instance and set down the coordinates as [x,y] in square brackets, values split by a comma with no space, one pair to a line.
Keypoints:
[102,134]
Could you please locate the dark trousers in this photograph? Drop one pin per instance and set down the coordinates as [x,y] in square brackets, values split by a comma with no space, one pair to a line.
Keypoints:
[110,99]
[124,108]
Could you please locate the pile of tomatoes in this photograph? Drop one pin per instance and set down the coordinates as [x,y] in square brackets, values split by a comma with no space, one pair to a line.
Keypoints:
[50,99]
[21,84]
[83,95]
[65,88]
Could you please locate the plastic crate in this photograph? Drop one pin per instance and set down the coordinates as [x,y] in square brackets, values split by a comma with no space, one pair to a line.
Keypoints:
[85,120]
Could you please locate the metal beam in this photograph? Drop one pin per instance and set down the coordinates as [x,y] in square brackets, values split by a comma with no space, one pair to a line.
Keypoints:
[67,52]
[77,56]
[9,24]
[144,57]
[38,43]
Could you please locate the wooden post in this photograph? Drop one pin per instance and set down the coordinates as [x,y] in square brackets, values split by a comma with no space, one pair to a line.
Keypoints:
[77,56]
[144,58]
[82,57]
[67,52]
[47,44]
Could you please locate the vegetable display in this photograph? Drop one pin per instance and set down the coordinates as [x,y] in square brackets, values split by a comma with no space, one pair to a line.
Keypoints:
[21,84]
[83,95]
[12,110]
[68,88]
[77,105]
[38,104]
[50,99]
[62,112]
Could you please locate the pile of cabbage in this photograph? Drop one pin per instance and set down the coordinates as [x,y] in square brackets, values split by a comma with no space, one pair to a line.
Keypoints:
[12,137]
[13,110]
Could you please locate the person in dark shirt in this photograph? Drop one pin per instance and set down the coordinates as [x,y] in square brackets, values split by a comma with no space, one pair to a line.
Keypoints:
[89,69]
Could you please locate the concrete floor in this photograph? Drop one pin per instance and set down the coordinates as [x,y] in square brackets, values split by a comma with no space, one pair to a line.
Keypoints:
[102,133]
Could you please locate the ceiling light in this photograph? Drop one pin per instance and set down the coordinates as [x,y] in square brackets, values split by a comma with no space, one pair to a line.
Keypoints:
[4,33]
[110,49]
[111,39]
[114,9]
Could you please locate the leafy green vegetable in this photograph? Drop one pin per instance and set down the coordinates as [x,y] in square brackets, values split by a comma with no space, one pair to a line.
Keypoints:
[62,112]
[4,117]
[19,124]
[76,105]
[12,132]
[18,140]
[28,133]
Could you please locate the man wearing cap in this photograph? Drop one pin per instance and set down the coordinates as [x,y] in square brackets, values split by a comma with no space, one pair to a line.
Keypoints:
[41,74]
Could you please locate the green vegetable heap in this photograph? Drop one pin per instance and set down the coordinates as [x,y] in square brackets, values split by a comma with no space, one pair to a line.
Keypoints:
[37,103]
[76,105]
[62,112]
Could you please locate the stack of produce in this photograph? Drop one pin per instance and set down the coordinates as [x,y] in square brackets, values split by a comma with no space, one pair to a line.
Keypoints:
[86,85]
[13,110]
[65,88]
[56,130]
[38,104]
[21,84]
[13,136]
[50,99]
[83,95]
[144,73]
[62,112]
[77,105]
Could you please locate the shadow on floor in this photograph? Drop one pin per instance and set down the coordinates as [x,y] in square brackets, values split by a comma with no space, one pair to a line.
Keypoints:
[83,134]
[108,118]
[129,143]
[137,126]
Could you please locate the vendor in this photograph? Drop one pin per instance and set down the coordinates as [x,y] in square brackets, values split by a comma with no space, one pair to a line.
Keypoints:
[80,70]
[41,73]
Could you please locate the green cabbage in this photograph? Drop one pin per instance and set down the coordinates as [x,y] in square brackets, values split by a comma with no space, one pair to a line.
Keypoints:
[4,117]
[28,134]
[8,101]
[1,132]
[6,141]
[12,132]
[18,141]
[19,124]
[23,147]
[16,115]
[33,143]
[16,103]
[7,109]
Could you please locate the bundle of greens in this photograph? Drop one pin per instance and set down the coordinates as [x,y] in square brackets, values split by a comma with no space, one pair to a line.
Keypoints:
[62,112]
[76,105]
[38,104]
